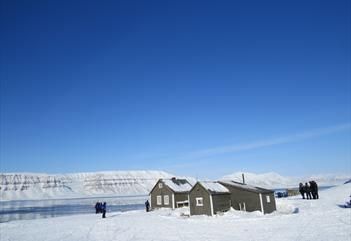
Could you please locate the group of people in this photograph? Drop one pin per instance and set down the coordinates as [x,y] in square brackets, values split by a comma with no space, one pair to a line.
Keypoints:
[310,189]
[101,208]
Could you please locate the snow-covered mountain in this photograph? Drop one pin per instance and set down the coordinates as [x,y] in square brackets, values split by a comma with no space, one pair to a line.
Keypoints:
[273,180]
[22,186]
[266,180]
[330,179]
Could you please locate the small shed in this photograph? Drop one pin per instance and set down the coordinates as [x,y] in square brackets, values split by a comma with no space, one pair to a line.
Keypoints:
[170,193]
[249,198]
[209,198]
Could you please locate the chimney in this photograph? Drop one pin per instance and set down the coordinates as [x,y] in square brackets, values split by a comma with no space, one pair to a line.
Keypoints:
[243,178]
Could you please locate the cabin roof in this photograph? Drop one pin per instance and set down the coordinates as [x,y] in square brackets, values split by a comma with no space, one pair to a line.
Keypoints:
[214,187]
[177,185]
[245,186]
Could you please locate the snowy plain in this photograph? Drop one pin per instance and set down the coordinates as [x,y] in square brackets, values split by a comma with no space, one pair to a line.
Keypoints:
[321,219]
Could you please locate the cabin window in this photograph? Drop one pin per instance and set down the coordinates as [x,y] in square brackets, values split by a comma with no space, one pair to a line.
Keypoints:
[160,185]
[268,198]
[166,200]
[199,201]
[159,200]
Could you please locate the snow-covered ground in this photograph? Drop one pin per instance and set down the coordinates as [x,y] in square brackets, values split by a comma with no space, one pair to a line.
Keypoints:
[318,220]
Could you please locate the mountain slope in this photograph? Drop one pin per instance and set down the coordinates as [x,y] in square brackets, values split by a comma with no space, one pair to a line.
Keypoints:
[22,186]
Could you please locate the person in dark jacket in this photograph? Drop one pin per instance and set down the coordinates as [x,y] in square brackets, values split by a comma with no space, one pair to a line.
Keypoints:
[97,207]
[307,191]
[302,190]
[99,210]
[315,190]
[147,205]
[103,209]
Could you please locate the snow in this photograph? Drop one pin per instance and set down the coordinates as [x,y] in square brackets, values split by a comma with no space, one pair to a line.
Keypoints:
[29,186]
[177,187]
[256,189]
[34,186]
[320,219]
[330,179]
[214,187]
[272,180]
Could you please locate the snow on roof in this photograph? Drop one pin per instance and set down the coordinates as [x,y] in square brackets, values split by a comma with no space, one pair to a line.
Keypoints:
[177,185]
[214,187]
[244,186]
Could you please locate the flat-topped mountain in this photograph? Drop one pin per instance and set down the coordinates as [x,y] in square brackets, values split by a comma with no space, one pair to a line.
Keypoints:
[22,186]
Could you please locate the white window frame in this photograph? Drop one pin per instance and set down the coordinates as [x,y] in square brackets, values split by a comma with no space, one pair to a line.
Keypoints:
[268,199]
[160,185]
[199,202]
[159,200]
[166,200]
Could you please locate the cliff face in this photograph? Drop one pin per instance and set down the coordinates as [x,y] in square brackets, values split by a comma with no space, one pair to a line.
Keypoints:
[21,186]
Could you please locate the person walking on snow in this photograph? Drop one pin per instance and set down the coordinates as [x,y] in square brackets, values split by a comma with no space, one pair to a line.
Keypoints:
[103,209]
[301,190]
[147,205]
[307,191]
[315,189]
[97,207]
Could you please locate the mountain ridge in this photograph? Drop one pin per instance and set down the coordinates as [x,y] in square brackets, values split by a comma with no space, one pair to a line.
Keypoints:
[24,186]
[33,186]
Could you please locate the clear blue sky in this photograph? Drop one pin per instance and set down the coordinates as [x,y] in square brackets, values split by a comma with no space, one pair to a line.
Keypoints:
[201,88]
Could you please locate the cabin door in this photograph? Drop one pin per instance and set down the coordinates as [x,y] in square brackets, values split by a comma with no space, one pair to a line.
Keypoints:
[242,206]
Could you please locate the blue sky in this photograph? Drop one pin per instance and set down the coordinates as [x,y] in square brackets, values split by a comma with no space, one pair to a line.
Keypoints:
[201,88]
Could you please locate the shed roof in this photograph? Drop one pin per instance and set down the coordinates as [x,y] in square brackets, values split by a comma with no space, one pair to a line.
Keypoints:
[177,185]
[214,187]
[245,186]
